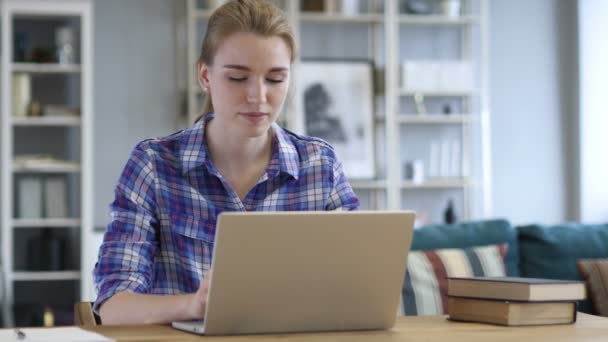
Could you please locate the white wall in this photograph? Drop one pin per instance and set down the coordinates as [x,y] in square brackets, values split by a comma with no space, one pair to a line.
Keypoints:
[593,56]
[532,105]
[135,94]
[135,86]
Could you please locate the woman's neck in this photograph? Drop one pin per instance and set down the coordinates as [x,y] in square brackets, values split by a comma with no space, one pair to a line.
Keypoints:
[232,155]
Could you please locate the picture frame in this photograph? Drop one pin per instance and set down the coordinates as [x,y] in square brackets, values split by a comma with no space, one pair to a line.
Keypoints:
[337,105]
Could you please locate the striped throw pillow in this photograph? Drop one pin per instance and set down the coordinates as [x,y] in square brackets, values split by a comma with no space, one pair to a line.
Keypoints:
[425,286]
[595,271]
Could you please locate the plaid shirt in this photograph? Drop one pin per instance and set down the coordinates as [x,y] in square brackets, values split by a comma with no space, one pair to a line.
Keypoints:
[168,198]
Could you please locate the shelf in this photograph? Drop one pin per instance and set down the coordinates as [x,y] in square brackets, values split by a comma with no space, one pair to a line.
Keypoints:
[447,183]
[368,184]
[46,222]
[45,275]
[434,119]
[436,20]
[46,68]
[341,18]
[47,167]
[46,121]
[438,93]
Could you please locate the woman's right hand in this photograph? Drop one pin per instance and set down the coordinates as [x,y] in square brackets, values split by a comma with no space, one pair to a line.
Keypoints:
[199,302]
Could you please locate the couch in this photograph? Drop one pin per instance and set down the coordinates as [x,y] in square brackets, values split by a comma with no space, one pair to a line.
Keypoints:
[536,251]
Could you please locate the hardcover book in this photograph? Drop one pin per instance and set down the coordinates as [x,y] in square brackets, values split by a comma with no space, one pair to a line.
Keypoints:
[515,288]
[511,313]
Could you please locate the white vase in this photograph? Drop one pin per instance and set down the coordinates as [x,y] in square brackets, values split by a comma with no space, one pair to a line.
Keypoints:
[450,8]
[350,7]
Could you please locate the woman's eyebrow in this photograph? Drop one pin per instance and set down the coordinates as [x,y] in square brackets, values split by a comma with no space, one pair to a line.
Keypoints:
[244,68]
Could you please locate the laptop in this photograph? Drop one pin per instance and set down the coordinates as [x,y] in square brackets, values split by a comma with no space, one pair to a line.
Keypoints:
[313,271]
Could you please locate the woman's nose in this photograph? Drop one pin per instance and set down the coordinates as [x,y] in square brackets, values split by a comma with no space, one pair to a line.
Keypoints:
[257,92]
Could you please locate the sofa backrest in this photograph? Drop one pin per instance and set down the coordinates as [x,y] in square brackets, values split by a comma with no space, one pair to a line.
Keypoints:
[471,234]
[552,251]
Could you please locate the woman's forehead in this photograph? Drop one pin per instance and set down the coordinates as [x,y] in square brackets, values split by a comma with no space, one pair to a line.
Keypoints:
[253,51]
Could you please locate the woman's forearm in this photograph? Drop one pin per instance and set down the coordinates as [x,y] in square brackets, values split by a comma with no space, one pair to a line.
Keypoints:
[132,308]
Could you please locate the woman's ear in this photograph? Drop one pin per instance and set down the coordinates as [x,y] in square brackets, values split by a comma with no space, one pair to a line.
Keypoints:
[203,76]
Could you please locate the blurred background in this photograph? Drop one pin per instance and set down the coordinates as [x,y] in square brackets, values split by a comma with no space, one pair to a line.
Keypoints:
[457,109]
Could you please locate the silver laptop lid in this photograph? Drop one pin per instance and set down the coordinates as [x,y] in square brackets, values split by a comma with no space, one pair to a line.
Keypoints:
[307,271]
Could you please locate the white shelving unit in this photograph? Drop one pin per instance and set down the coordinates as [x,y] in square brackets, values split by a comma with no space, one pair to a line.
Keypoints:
[75,132]
[383,33]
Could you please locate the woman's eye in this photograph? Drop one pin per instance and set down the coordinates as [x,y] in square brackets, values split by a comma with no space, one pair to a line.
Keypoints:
[237,79]
[273,80]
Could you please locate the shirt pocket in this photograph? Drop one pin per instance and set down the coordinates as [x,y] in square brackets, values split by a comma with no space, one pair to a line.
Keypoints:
[192,241]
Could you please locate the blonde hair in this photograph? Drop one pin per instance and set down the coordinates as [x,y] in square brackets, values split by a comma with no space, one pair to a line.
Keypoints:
[255,16]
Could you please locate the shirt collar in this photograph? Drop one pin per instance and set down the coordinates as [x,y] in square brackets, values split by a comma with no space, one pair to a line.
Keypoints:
[194,152]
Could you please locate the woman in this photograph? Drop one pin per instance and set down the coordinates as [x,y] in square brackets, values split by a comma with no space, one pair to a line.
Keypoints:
[154,262]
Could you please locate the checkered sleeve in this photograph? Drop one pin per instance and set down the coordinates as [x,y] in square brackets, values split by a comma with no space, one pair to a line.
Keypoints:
[342,196]
[126,257]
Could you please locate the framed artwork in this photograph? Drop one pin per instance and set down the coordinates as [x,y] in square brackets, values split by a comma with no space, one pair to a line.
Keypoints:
[337,102]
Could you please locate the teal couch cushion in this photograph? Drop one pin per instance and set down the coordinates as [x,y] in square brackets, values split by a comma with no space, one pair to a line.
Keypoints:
[470,234]
[551,251]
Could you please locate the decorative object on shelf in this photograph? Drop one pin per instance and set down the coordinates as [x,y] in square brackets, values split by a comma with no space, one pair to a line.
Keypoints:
[64,45]
[420,75]
[437,76]
[375,6]
[29,203]
[414,171]
[447,109]
[20,47]
[350,7]
[449,214]
[337,99]
[45,252]
[34,109]
[42,54]
[417,6]
[48,317]
[312,5]
[444,166]
[55,197]
[332,6]
[420,107]
[455,159]
[22,93]
[434,159]
[450,8]
[445,159]
[455,76]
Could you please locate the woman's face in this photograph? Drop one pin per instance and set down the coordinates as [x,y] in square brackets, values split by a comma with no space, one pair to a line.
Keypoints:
[248,82]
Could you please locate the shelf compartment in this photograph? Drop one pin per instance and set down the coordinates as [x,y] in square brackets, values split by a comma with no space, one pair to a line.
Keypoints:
[434,119]
[447,183]
[369,18]
[436,20]
[51,167]
[438,93]
[46,68]
[45,275]
[47,121]
[46,223]
[368,184]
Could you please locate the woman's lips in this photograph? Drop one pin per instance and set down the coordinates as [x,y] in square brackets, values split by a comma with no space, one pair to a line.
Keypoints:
[254,117]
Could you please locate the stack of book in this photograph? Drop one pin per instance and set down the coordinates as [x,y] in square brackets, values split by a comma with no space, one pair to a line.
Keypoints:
[514,301]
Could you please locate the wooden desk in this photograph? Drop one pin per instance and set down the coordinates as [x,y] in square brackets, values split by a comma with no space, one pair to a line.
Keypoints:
[424,328]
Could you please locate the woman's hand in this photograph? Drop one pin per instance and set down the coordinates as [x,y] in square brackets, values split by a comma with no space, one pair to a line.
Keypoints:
[199,302]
